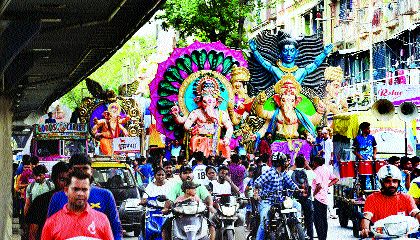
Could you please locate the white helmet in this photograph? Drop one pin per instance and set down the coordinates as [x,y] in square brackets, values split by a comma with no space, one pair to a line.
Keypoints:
[389,171]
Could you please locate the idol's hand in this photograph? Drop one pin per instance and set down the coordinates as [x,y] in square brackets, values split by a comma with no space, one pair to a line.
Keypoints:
[252,45]
[328,49]
[175,110]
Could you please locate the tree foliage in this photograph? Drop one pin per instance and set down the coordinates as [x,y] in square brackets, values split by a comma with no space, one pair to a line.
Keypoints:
[209,20]
[120,68]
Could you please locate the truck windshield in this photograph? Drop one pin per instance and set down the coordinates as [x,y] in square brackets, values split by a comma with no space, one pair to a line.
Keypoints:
[47,148]
[74,146]
[113,177]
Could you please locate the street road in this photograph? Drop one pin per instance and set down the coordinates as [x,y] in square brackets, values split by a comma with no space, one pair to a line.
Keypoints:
[334,232]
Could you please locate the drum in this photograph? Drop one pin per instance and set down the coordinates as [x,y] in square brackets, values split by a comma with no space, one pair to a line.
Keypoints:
[347,169]
[379,164]
[365,167]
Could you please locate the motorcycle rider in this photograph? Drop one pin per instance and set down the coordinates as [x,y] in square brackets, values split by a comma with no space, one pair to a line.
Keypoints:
[389,201]
[224,184]
[269,186]
[186,174]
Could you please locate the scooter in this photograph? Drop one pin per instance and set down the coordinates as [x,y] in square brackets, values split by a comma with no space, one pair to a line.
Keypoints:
[395,226]
[227,214]
[154,219]
[189,221]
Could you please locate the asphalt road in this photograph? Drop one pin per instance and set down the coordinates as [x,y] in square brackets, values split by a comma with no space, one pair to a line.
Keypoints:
[335,231]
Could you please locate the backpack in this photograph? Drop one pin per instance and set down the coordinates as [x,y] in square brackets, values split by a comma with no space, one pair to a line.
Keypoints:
[31,186]
[301,179]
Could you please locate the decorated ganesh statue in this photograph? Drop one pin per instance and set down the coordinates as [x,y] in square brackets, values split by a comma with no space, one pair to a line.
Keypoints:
[192,97]
[287,78]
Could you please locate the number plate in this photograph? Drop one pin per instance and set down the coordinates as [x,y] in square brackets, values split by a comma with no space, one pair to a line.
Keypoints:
[190,228]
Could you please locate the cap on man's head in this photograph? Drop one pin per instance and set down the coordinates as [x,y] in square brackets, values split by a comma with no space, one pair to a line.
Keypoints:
[39,169]
[189,185]
[185,169]
[79,159]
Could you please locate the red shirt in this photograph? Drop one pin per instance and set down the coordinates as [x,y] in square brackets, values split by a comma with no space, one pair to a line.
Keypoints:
[382,206]
[89,225]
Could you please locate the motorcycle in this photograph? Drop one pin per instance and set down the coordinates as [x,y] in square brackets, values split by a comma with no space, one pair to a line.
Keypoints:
[282,221]
[395,226]
[226,216]
[154,219]
[189,221]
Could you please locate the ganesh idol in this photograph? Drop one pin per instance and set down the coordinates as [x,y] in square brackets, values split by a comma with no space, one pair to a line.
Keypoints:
[205,123]
[110,127]
[284,121]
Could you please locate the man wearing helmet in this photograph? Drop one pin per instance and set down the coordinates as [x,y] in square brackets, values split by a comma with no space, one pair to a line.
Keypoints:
[269,186]
[388,201]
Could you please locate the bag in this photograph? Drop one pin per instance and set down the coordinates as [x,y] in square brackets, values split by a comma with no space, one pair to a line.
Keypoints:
[31,186]
[301,179]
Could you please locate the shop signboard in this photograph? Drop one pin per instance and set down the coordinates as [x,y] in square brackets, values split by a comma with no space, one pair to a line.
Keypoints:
[398,94]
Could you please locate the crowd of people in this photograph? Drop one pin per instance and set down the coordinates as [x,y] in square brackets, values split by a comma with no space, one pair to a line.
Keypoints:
[65,203]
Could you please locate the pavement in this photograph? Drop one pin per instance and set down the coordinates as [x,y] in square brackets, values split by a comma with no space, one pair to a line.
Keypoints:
[335,231]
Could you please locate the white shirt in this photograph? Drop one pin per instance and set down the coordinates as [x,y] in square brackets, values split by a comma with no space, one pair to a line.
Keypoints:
[328,147]
[152,190]
[219,188]
[199,172]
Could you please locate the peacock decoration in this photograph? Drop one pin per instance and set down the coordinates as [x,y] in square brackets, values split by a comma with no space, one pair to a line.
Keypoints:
[172,75]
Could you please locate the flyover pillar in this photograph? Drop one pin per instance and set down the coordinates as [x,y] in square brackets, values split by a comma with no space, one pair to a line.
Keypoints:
[6,160]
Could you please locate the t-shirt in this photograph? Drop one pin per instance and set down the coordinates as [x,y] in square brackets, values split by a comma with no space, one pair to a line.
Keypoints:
[38,189]
[221,188]
[37,213]
[152,190]
[199,172]
[364,145]
[323,177]
[414,190]
[147,171]
[176,191]
[382,206]
[183,198]
[237,174]
[89,225]
[99,199]
[310,174]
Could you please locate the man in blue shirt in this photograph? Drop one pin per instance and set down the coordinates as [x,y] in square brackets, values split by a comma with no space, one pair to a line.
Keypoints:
[365,149]
[99,199]
[269,187]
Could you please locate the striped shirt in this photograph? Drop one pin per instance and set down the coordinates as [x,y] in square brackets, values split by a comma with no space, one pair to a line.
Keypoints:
[272,184]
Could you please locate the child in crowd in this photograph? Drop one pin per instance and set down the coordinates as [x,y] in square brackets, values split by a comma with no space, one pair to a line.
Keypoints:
[189,189]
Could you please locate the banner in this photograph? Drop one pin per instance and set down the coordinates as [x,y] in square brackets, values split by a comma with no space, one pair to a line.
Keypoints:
[126,145]
[398,94]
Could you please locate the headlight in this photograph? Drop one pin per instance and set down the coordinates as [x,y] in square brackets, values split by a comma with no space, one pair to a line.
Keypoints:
[288,203]
[132,203]
[228,211]
[190,209]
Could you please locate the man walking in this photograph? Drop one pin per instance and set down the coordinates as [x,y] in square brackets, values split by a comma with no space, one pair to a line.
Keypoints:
[37,213]
[77,220]
[99,199]
[324,179]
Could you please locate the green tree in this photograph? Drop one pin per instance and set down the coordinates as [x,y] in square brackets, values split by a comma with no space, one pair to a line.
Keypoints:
[209,20]
[120,68]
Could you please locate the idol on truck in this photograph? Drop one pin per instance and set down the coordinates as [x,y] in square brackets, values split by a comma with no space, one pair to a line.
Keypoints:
[115,124]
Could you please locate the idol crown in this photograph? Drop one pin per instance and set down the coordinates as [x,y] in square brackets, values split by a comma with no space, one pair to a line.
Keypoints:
[287,82]
[239,74]
[333,74]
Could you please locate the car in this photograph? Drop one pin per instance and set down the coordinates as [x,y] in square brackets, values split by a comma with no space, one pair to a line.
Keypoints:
[119,179]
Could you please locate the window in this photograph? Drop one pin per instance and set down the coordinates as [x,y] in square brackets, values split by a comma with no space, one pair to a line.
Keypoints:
[113,177]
